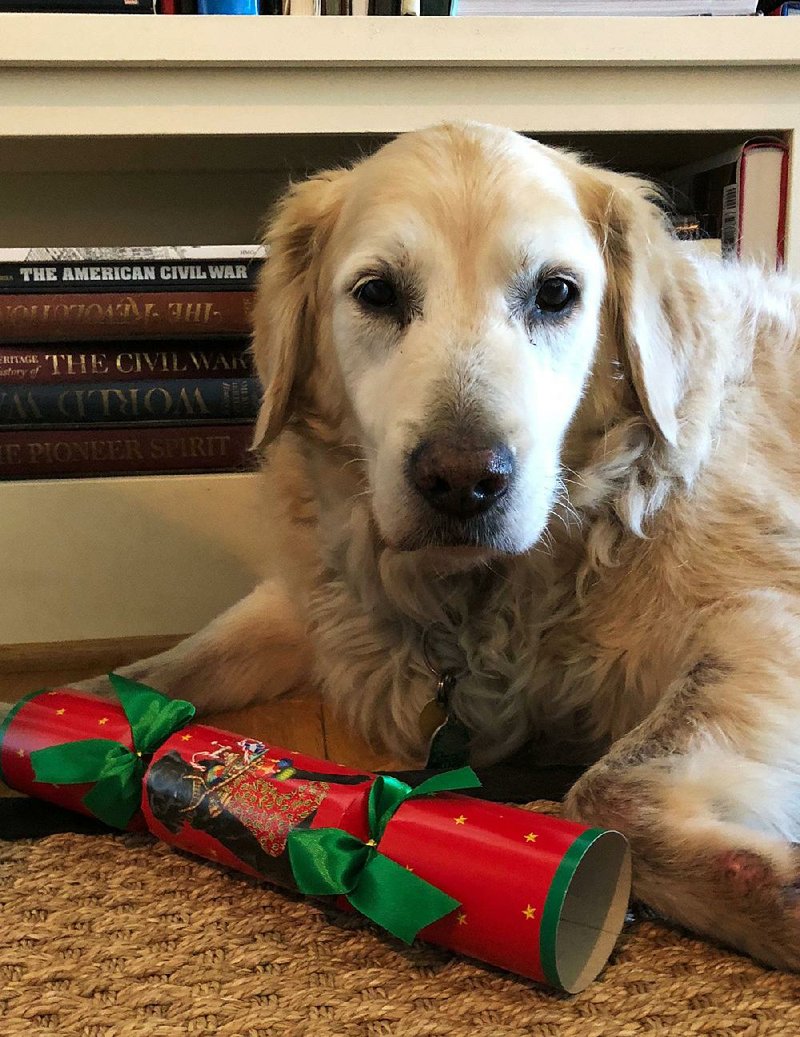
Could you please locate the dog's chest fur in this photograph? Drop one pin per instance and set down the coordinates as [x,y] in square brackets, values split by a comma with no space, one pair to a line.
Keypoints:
[549,653]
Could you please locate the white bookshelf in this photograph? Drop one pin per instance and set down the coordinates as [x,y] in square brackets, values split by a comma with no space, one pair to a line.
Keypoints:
[149,130]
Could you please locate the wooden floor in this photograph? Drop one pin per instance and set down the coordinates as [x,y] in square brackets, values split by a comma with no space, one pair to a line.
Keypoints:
[300,722]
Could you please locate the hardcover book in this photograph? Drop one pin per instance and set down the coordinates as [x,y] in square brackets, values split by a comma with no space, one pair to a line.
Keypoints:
[93,363]
[595,8]
[227,6]
[138,450]
[129,253]
[138,268]
[204,401]
[114,275]
[44,317]
[78,6]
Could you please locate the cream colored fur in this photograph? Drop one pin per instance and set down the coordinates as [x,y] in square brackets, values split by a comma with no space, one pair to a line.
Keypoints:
[644,591]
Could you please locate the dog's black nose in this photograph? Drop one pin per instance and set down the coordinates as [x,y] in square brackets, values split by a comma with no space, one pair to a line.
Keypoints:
[459,478]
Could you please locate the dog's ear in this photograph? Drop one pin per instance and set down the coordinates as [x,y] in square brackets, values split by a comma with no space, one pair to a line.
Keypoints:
[650,297]
[284,324]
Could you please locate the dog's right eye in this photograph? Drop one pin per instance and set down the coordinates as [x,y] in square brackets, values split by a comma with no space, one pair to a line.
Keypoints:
[377,293]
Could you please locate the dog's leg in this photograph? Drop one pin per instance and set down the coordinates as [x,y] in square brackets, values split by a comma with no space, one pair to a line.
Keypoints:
[707,789]
[257,650]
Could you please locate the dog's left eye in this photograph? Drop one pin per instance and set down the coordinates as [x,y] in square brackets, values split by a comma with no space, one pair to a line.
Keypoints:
[377,293]
[555,294]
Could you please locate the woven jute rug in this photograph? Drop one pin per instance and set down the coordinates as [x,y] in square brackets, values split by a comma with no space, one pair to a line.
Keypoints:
[120,936]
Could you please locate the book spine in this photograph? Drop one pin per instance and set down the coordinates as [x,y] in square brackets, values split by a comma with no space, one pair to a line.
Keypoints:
[115,315]
[113,274]
[730,220]
[757,144]
[207,401]
[132,253]
[77,6]
[227,6]
[62,453]
[87,364]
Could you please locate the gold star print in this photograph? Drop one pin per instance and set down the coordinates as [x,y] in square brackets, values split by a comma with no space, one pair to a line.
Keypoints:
[462,918]
[20,753]
[529,912]
[52,693]
[460,820]
[530,837]
[102,720]
[185,738]
[60,712]
[408,867]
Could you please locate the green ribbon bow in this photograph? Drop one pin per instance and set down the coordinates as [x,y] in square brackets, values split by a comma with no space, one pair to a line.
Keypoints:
[115,772]
[331,861]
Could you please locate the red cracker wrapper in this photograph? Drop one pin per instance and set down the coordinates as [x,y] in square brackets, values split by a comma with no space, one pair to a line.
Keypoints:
[45,719]
[536,895]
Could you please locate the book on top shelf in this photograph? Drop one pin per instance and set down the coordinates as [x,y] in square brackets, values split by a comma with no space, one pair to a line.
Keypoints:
[304,8]
[595,8]
[227,6]
[739,196]
[77,6]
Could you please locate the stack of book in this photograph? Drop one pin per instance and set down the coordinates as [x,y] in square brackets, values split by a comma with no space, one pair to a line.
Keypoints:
[126,360]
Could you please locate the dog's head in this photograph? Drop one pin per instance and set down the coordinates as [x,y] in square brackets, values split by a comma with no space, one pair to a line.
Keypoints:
[440,308]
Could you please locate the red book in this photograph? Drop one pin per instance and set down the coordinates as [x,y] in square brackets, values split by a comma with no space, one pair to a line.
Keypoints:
[59,454]
[92,362]
[115,315]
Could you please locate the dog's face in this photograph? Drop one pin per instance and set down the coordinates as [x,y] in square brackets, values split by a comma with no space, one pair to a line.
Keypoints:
[451,290]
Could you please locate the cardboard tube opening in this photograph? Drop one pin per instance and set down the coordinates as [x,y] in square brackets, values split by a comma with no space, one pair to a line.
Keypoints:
[593,911]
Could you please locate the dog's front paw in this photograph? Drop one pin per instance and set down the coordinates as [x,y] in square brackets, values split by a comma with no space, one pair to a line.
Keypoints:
[742,889]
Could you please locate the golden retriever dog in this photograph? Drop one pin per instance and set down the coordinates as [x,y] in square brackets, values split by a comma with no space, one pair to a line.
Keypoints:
[510,422]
